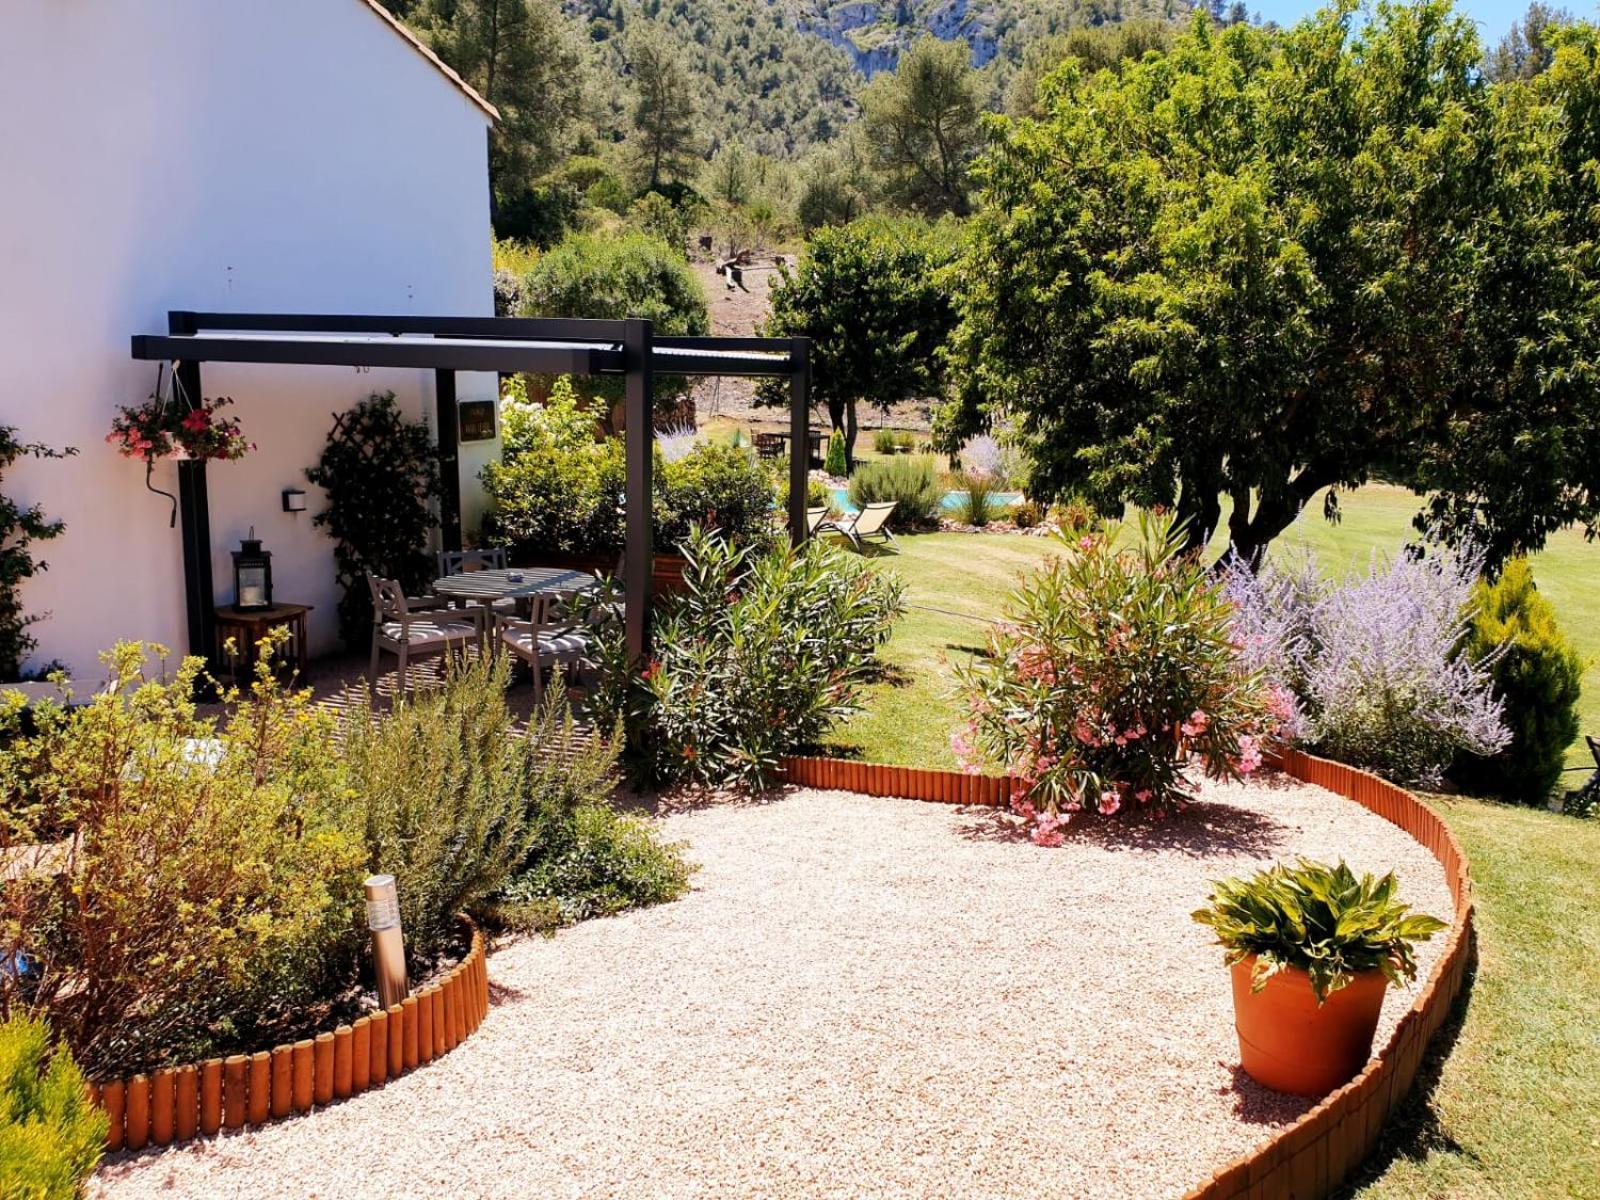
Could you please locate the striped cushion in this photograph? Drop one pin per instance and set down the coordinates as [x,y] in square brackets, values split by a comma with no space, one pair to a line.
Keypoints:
[550,644]
[426,633]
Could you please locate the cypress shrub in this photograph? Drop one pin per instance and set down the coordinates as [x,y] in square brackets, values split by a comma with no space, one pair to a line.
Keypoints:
[1537,674]
[836,463]
[50,1135]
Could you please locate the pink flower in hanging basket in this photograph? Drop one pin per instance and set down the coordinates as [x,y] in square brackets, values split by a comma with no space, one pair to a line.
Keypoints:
[161,428]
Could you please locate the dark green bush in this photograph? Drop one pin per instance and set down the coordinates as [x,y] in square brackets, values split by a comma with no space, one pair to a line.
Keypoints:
[380,471]
[596,864]
[719,486]
[1537,673]
[542,215]
[51,1137]
[632,275]
[757,658]
[558,488]
[20,527]
[912,481]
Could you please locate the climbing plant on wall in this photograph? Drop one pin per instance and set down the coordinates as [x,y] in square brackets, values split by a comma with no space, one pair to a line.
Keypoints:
[19,528]
[379,471]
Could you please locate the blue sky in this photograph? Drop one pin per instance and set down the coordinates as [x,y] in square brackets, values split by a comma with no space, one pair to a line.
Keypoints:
[1494,17]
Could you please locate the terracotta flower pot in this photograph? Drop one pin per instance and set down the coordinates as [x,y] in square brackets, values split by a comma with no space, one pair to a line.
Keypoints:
[1290,1044]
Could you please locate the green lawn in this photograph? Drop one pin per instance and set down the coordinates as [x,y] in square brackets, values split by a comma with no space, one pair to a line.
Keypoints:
[1514,1110]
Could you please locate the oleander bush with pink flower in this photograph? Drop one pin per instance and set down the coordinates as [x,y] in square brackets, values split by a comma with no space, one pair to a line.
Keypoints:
[1113,682]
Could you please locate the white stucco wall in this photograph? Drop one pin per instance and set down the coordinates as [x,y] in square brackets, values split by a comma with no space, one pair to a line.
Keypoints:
[292,156]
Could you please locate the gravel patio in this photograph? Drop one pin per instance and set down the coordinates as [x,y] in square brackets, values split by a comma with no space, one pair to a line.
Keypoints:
[861,997]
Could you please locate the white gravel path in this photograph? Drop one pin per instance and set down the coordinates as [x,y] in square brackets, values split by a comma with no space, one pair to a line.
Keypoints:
[862,997]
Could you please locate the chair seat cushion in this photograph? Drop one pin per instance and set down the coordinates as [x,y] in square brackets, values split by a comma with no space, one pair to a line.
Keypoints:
[430,632]
[551,645]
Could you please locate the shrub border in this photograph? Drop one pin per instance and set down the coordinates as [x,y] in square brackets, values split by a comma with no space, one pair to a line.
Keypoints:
[175,1104]
[1320,1151]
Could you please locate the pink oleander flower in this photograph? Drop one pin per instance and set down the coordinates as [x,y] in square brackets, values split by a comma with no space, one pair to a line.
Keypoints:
[1086,542]
[1249,755]
[1196,724]
[1110,802]
[1143,795]
[1049,838]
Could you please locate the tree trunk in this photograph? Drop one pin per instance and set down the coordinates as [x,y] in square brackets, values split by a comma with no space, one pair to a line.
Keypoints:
[850,436]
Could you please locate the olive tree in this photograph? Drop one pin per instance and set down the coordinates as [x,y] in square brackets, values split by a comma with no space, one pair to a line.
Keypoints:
[1266,265]
[869,298]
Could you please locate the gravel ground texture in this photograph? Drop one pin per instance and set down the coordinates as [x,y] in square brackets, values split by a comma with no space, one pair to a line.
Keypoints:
[861,998]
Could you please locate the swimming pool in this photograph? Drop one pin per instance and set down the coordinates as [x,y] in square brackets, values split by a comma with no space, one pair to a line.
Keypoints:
[951,501]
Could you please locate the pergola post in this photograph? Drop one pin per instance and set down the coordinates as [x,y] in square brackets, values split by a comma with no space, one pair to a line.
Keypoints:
[639,438]
[799,436]
[449,420]
[194,528]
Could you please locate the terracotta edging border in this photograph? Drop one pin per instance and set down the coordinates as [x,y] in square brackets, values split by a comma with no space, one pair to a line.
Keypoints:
[1312,1157]
[174,1104]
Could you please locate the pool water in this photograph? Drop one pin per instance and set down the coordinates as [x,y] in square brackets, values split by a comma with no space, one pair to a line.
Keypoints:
[951,501]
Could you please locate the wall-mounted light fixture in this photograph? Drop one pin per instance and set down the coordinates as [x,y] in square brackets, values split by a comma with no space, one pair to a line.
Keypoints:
[294,500]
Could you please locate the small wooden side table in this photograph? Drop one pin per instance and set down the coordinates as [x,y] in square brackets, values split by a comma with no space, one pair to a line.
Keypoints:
[248,626]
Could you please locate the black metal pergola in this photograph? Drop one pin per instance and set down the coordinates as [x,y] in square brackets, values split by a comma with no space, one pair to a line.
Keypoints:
[500,345]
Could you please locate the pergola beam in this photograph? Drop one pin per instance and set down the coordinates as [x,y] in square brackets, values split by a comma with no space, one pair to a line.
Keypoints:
[370,351]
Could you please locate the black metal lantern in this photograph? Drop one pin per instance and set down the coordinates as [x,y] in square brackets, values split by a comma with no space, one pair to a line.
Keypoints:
[252,575]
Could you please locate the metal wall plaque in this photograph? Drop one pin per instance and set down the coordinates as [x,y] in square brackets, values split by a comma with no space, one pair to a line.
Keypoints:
[476,419]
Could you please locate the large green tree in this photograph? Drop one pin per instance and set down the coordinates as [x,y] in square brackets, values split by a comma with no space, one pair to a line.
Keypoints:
[1266,264]
[520,56]
[665,136]
[868,296]
[613,278]
[1519,455]
[922,124]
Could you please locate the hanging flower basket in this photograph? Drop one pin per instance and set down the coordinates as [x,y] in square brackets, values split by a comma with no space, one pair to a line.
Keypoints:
[179,428]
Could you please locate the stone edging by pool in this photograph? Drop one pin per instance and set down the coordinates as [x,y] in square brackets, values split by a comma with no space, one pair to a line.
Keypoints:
[174,1104]
[1312,1157]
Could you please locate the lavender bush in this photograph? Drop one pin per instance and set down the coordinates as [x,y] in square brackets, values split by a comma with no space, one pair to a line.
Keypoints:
[1374,663]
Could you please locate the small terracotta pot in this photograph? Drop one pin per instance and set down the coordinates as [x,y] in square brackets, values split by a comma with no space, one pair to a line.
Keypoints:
[1290,1044]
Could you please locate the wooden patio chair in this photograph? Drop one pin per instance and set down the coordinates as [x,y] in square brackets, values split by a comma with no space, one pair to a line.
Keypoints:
[460,562]
[545,640]
[412,627]
[457,562]
[870,524]
[769,445]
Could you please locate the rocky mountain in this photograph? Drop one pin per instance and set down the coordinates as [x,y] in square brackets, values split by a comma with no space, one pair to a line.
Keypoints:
[875,32]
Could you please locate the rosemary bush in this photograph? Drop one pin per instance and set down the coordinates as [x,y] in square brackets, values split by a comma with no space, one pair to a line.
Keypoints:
[912,481]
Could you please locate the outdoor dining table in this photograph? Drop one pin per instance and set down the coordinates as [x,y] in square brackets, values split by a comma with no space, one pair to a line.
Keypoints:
[520,584]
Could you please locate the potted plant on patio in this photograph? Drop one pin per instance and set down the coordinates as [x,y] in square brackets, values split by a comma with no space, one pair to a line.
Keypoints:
[1312,949]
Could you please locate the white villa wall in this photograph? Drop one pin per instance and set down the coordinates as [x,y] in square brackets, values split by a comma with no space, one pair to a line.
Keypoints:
[293,156]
